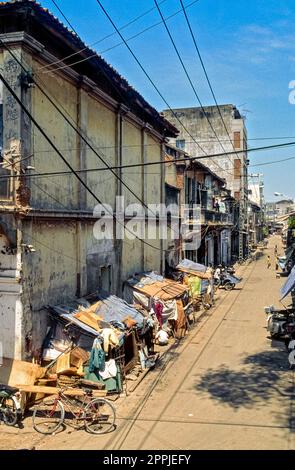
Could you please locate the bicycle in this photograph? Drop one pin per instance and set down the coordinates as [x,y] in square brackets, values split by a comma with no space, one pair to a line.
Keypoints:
[10,407]
[96,415]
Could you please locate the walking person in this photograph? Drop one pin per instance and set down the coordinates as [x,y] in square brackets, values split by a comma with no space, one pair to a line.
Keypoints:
[268,262]
[276,250]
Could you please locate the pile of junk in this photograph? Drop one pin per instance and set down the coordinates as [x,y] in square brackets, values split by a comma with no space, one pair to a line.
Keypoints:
[101,342]
[281,321]
[98,342]
[164,302]
[110,334]
[200,282]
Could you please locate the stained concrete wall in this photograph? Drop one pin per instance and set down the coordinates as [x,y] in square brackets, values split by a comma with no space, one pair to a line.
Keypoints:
[199,128]
[68,260]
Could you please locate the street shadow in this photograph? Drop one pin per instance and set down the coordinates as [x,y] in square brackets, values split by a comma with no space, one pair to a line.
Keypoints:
[262,378]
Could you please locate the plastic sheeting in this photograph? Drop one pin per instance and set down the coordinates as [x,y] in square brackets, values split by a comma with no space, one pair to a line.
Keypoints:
[289,284]
[188,264]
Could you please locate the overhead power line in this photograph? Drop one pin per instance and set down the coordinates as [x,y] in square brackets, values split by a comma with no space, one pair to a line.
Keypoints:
[160,162]
[91,147]
[108,36]
[187,74]
[43,133]
[152,82]
[86,141]
[64,17]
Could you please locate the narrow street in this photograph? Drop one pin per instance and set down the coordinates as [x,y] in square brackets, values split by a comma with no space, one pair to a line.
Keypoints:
[226,386]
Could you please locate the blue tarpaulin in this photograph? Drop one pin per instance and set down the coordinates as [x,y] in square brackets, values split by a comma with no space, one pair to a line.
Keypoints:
[289,284]
[188,264]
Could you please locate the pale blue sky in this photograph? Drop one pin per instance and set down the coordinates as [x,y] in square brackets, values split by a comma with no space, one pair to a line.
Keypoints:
[248,47]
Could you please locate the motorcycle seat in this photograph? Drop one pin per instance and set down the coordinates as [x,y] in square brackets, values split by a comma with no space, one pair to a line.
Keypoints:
[8,389]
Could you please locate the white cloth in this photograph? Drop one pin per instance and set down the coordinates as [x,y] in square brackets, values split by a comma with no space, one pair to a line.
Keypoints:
[217,273]
[162,337]
[110,370]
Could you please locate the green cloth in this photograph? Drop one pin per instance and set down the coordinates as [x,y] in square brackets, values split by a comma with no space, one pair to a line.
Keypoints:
[195,285]
[113,384]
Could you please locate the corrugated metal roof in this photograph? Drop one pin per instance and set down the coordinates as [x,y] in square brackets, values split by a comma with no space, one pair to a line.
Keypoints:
[153,285]
[110,309]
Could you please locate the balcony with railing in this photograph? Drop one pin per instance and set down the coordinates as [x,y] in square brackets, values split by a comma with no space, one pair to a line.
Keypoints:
[213,217]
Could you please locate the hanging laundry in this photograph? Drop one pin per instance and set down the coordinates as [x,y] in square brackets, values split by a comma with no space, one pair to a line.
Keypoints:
[97,357]
[109,339]
[110,370]
[158,309]
[195,286]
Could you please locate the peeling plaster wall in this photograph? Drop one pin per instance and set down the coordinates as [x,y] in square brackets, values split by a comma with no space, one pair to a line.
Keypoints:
[10,303]
[198,127]
[69,262]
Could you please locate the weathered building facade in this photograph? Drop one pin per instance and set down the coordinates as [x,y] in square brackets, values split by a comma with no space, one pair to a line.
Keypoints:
[49,226]
[229,136]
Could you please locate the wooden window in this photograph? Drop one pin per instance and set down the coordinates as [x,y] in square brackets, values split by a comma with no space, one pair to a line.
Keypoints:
[237,195]
[237,140]
[237,168]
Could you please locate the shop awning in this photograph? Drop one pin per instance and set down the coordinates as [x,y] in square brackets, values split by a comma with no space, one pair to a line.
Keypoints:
[289,284]
[195,269]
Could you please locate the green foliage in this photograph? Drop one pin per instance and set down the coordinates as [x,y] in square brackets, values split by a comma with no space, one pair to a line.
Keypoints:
[291,222]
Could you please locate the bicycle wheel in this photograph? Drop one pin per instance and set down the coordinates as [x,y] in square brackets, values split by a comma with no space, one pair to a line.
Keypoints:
[9,411]
[48,416]
[100,416]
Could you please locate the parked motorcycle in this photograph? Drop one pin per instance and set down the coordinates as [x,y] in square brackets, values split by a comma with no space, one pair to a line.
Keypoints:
[10,405]
[280,323]
[226,280]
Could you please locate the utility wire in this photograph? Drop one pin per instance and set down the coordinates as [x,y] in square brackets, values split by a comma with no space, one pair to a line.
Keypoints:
[149,78]
[83,138]
[190,81]
[60,11]
[43,133]
[72,149]
[87,143]
[160,162]
[204,69]
[108,36]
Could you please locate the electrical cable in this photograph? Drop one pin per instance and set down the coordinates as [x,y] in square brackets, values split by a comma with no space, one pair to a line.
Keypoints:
[149,78]
[83,138]
[160,162]
[191,83]
[92,56]
[204,70]
[43,133]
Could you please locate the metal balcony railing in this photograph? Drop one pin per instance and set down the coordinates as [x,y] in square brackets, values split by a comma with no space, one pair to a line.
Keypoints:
[212,216]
